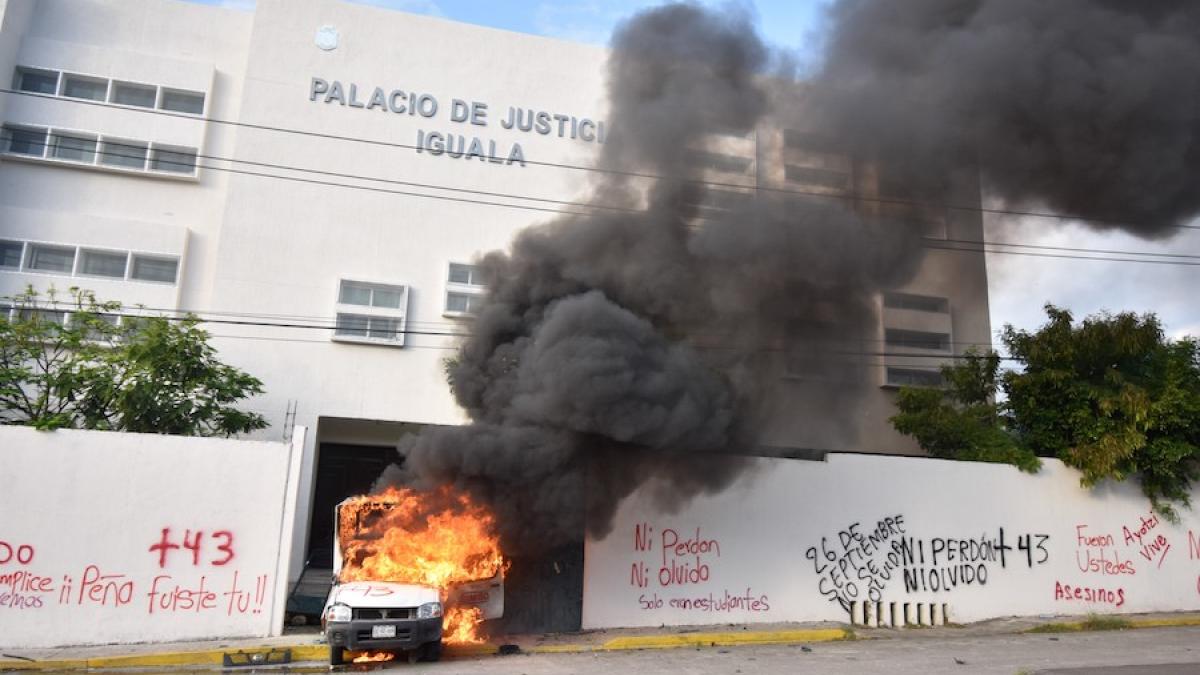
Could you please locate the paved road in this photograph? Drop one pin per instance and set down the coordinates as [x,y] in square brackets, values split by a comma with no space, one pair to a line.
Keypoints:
[1177,650]
[1160,651]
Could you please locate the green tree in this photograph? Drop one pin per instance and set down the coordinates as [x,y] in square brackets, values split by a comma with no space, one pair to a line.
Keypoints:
[961,420]
[1110,396]
[69,364]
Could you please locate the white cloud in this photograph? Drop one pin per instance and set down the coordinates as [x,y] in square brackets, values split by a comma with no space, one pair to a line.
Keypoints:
[1020,284]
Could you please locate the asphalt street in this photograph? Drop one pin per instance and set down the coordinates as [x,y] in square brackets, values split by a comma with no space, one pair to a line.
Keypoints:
[1171,651]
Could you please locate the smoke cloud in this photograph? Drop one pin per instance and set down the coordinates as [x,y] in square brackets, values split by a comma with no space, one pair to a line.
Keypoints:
[640,347]
[1086,107]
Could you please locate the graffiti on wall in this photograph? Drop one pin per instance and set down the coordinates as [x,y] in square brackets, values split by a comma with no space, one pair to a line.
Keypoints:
[672,567]
[195,573]
[860,563]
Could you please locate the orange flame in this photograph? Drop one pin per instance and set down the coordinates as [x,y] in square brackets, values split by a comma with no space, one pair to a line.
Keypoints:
[369,656]
[438,539]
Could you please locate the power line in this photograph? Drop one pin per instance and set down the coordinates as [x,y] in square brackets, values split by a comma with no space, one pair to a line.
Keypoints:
[577,167]
[985,249]
[406,331]
[928,242]
[1190,256]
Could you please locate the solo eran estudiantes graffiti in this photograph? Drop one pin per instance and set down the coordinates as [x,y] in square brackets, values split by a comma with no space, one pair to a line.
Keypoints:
[196,572]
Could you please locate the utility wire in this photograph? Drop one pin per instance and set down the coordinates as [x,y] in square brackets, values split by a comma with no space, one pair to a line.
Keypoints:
[577,167]
[405,331]
[928,242]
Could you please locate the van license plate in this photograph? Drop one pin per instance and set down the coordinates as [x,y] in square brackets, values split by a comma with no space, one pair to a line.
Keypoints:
[383,631]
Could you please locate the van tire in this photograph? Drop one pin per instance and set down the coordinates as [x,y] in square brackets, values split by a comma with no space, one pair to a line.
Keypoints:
[336,656]
[430,652]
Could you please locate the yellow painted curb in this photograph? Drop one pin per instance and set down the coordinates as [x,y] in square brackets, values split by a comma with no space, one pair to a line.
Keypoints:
[724,639]
[72,664]
[197,658]
[560,649]
[1166,623]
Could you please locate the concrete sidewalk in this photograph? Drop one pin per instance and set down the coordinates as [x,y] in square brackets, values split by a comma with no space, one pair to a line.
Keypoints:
[307,644]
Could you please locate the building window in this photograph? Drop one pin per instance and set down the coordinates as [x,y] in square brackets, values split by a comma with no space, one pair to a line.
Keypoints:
[76,147]
[182,101]
[128,93]
[73,148]
[462,303]
[371,312]
[371,295]
[834,180]
[721,162]
[45,258]
[151,268]
[11,253]
[78,86]
[173,160]
[43,316]
[918,303]
[368,327]
[916,339]
[36,81]
[465,274]
[464,290]
[22,141]
[103,264]
[913,377]
[124,154]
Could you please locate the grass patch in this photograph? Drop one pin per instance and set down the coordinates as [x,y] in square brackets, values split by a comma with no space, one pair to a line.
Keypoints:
[1097,622]
[1094,622]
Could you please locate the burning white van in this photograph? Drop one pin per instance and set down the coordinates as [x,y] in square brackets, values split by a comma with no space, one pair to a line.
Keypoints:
[403,577]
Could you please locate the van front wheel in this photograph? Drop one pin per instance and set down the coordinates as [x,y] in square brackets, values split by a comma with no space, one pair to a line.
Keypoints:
[336,656]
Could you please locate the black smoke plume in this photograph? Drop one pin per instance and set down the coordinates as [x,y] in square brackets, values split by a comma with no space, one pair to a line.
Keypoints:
[645,346]
[1086,107]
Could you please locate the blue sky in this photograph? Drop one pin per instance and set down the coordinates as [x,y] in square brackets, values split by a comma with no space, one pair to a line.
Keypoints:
[1018,285]
[791,25]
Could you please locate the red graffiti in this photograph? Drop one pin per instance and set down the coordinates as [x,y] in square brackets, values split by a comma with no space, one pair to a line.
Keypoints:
[1115,597]
[193,541]
[104,589]
[242,601]
[167,596]
[21,553]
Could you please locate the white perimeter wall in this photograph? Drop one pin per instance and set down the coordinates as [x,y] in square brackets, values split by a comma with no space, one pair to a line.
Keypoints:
[792,541]
[82,517]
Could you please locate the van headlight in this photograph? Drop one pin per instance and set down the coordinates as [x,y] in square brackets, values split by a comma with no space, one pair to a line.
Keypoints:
[338,612]
[429,610]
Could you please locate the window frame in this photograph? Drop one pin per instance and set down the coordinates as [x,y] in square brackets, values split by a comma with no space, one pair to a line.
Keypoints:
[152,159]
[83,252]
[909,338]
[94,79]
[55,136]
[6,134]
[134,256]
[154,90]
[164,92]
[30,251]
[889,383]
[19,79]
[471,287]
[20,255]
[371,313]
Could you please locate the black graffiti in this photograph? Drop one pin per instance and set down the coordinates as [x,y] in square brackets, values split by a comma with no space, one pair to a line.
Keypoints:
[940,564]
[860,563]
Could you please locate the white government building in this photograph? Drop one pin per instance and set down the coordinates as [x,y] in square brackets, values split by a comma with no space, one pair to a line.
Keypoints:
[259,167]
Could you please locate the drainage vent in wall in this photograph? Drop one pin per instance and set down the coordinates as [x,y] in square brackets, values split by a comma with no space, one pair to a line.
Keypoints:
[898,614]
